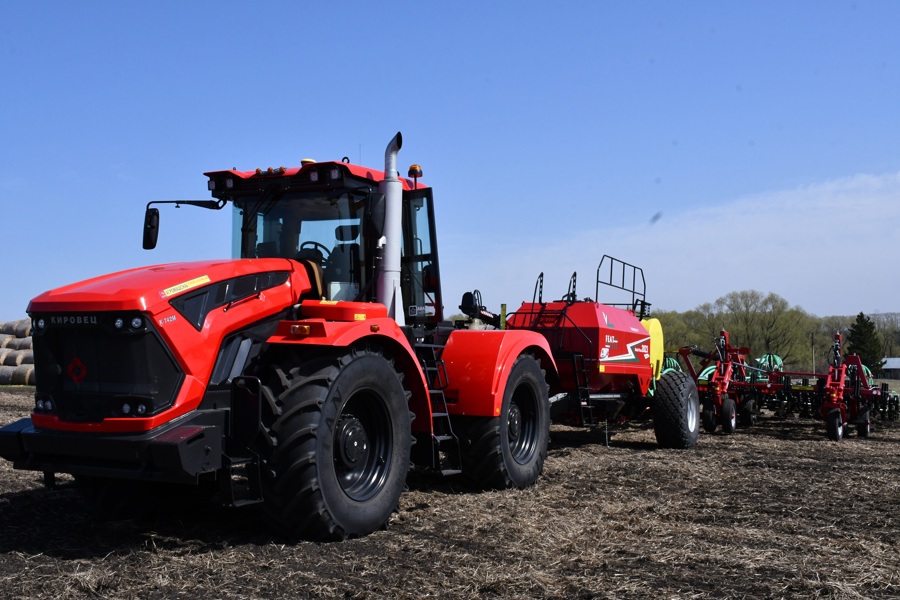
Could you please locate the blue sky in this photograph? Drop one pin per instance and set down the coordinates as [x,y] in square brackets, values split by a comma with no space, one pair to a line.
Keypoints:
[764,136]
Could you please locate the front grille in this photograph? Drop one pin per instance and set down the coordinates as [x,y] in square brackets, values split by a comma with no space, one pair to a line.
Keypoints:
[99,365]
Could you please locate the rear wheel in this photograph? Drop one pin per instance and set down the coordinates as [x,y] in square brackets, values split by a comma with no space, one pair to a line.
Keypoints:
[729,415]
[509,450]
[834,425]
[676,411]
[708,417]
[864,423]
[748,413]
[339,447]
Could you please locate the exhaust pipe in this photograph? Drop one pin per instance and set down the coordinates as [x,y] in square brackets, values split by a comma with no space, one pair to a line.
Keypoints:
[388,292]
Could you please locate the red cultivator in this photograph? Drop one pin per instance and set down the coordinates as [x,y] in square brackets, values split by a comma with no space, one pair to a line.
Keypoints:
[732,392]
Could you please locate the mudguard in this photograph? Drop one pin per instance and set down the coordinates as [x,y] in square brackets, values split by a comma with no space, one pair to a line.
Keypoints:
[361,323]
[478,364]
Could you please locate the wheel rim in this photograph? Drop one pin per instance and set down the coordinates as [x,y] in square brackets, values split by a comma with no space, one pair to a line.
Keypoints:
[521,424]
[362,446]
[693,415]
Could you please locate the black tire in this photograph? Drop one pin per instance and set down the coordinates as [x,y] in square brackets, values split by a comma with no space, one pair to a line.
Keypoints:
[729,415]
[834,425]
[676,411]
[864,423]
[748,413]
[339,428]
[509,450]
[708,417]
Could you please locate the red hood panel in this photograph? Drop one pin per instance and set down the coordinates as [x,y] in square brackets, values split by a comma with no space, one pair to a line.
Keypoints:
[146,287]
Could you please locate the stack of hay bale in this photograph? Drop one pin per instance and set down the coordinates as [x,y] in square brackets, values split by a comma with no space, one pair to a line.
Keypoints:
[16,356]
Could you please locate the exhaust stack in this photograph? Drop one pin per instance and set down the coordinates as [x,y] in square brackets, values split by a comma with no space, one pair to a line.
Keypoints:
[388,283]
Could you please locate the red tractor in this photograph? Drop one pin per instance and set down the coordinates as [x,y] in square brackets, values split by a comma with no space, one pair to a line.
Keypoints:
[307,375]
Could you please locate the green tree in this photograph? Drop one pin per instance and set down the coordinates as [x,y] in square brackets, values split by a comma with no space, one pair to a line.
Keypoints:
[863,340]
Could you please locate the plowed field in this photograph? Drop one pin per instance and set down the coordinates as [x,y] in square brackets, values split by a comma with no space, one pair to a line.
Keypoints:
[776,511]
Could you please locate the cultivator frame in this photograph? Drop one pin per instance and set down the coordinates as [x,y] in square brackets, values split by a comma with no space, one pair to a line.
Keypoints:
[734,392]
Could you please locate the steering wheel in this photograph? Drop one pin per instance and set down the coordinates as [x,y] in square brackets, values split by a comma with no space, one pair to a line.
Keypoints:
[311,244]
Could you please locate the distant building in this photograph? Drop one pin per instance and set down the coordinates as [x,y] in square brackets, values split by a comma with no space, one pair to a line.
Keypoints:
[891,368]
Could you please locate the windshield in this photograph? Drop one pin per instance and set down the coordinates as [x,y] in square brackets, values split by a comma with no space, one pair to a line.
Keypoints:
[324,229]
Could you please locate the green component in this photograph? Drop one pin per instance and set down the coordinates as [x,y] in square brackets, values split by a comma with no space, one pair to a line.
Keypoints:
[670,364]
[769,362]
[705,373]
[869,377]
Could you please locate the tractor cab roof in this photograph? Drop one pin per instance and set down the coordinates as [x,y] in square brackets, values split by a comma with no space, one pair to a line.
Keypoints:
[310,175]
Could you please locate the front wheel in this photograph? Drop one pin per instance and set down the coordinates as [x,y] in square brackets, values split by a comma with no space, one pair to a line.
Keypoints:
[676,411]
[729,415]
[509,450]
[834,425]
[339,446]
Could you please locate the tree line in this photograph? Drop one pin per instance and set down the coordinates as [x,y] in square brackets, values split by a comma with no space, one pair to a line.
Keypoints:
[768,324]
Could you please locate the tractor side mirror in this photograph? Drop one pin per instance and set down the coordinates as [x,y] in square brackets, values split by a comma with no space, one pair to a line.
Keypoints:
[375,214]
[151,228]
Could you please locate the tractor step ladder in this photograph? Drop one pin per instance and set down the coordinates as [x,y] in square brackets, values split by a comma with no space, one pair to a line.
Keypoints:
[241,485]
[447,458]
[582,385]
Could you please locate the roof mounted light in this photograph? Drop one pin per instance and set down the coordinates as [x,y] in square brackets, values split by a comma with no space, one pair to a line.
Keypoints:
[415,171]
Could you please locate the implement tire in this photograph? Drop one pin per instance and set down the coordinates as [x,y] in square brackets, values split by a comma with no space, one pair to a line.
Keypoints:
[864,423]
[509,450]
[339,438]
[834,425]
[676,411]
[708,417]
[729,415]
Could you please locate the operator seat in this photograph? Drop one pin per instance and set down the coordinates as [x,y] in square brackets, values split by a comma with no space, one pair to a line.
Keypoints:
[266,250]
[315,275]
[342,265]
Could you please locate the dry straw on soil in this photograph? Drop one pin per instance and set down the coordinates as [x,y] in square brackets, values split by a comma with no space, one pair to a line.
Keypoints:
[776,511]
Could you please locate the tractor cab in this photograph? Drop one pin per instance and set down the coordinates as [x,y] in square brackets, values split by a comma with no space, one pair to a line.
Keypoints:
[330,217]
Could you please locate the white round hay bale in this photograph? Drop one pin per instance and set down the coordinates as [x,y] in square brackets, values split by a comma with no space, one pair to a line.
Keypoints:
[6,374]
[25,357]
[4,353]
[11,359]
[23,328]
[22,375]
[8,328]
[20,343]
[6,339]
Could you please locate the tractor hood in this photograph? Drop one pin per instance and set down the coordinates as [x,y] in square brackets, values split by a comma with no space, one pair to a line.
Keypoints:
[149,289]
